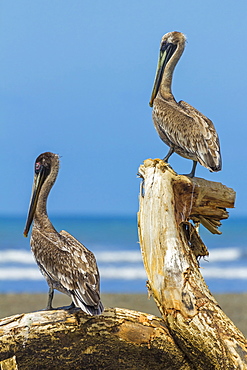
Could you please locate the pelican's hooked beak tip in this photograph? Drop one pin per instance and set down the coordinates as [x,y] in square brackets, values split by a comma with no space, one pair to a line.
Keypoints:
[151,104]
[25,233]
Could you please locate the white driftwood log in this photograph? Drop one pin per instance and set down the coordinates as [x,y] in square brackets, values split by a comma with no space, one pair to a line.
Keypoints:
[60,339]
[170,248]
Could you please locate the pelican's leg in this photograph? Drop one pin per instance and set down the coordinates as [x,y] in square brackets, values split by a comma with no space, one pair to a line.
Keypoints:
[171,150]
[50,298]
[192,173]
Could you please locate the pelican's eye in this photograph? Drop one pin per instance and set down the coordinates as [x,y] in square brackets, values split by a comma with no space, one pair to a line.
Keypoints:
[169,47]
[163,46]
[37,167]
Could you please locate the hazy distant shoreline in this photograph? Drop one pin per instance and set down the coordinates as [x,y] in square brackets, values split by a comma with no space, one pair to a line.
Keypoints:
[234,305]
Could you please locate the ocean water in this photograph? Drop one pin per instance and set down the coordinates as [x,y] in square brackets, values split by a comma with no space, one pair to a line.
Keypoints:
[114,241]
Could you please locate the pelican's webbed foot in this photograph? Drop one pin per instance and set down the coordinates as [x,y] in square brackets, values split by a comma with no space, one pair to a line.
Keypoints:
[71,306]
[67,307]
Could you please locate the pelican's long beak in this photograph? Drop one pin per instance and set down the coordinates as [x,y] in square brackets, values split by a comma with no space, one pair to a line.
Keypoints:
[166,51]
[37,184]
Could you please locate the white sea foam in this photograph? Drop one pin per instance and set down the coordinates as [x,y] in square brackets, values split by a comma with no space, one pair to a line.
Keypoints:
[126,273]
[16,255]
[123,273]
[225,254]
[119,256]
[20,274]
[225,273]
[26,257]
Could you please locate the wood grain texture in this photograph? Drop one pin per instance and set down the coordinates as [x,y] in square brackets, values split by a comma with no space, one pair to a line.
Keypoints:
[118,339]
[195,320]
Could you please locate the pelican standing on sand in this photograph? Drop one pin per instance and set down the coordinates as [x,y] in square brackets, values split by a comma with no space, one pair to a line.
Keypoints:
[66,264]
[183,128]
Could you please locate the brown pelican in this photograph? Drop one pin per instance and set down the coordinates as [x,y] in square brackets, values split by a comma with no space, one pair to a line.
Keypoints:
[66,264]
[183,128]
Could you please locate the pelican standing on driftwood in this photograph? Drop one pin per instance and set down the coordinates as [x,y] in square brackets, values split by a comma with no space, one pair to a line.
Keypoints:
[67,265]
[183,128]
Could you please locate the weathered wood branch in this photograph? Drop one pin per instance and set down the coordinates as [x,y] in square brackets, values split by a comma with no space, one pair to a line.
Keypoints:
[170,248]
[60,339]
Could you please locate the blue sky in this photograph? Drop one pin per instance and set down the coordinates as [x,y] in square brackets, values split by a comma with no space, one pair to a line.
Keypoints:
[76,78]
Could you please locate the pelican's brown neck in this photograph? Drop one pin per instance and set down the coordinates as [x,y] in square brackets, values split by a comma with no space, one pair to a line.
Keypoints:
[165,89]
[40,216]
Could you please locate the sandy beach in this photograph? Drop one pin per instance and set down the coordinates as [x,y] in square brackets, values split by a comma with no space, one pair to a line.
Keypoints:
[234,305]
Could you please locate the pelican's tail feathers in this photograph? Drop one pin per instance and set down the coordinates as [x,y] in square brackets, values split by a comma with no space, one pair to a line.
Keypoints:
[90,310]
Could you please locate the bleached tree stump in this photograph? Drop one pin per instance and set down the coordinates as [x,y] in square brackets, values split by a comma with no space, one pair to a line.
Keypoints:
[171,247]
